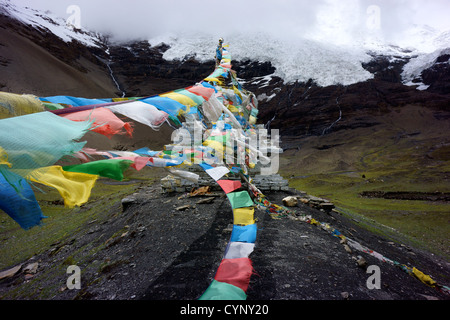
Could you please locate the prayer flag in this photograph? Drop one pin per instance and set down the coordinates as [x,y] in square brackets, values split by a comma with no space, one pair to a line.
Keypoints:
[239,250]
[223,291]
[244,216]
[22,207]
[229,186]
[240,199]
[244,233]
[236,272]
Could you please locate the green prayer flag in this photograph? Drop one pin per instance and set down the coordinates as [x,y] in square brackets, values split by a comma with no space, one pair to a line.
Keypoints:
[53,106]
[111,168]
[240,199]
[223,291]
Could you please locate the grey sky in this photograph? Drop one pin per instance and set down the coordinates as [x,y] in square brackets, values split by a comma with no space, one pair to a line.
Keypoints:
[340,19]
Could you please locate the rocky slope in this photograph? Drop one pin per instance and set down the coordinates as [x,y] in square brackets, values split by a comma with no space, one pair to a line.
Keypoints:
[152,247]
[36,61]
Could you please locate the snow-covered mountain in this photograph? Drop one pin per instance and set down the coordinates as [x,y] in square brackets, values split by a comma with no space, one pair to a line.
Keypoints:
[48,22]
[327,64]
[301,60]
[294,59]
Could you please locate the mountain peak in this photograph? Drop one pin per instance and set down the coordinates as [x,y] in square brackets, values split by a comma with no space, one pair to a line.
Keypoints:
[48,22]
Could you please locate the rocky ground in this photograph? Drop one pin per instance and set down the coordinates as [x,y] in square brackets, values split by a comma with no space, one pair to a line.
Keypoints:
[157,246]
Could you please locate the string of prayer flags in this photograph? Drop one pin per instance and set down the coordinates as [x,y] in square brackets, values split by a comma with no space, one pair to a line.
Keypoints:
[426,279]
[235,270]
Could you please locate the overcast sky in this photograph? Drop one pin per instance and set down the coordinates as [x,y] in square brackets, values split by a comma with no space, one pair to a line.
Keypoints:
[339,20]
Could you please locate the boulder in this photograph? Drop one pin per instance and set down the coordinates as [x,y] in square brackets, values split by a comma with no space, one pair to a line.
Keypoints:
[290,201]
[31,268]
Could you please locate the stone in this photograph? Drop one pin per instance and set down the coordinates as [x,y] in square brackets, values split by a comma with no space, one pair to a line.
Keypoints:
[345,295]
[347,248]
[10,272]
[229,228]
[326,206]
[428,297]
[290,201]
[206,200]
[182,208]
[128,201]
[28,276]
[31,268]
[362,262]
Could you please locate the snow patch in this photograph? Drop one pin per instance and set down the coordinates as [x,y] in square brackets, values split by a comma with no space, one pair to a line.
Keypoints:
[265,97]
[414,68]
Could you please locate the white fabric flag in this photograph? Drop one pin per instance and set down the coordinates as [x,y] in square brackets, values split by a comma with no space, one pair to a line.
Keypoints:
[218,172]
[141,112]
[238,250]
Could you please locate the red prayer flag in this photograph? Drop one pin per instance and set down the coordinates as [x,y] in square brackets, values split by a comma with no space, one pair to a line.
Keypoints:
[236,272]
[229,185]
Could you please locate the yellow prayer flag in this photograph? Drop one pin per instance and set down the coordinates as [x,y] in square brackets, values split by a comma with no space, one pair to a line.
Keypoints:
[181,98]
[244,216]
[423,277]
[74,187]
[232,108]
[213,80]
[13,105]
